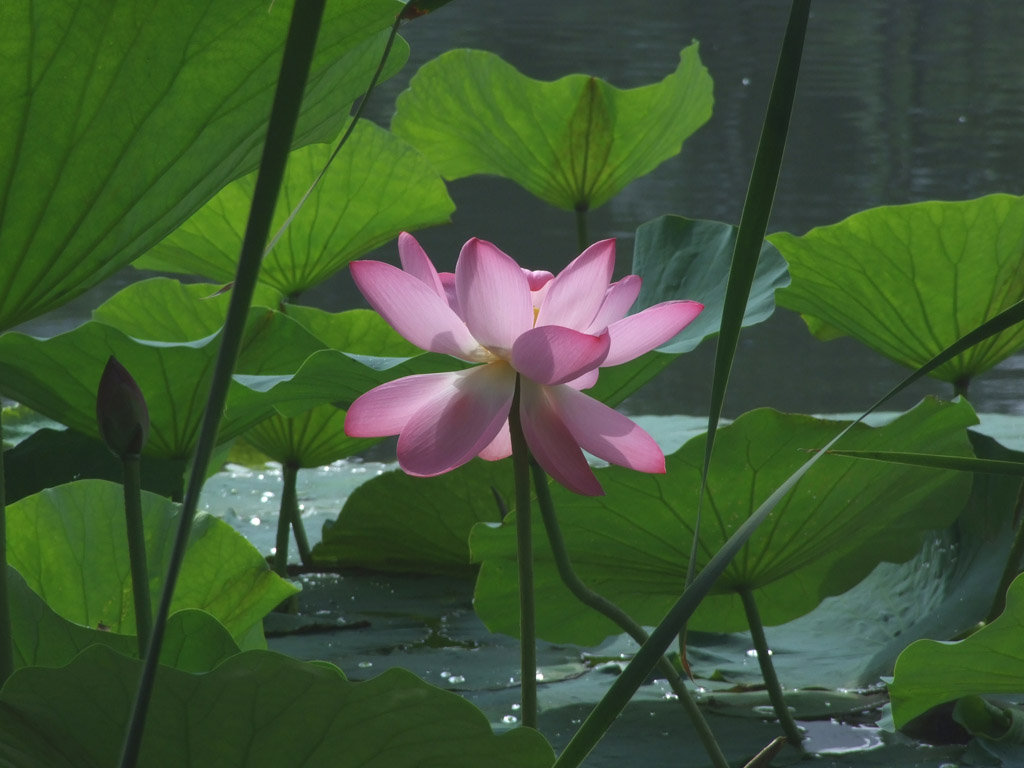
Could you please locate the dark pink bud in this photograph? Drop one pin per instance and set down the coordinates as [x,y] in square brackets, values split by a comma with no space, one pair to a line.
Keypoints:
[121,411]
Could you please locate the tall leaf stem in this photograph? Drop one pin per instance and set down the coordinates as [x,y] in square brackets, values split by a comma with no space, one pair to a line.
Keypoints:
[524,557]
[6,641]
[290,480]
[137,550]
[582,240]
[602,605]
[764,660]
[298,56]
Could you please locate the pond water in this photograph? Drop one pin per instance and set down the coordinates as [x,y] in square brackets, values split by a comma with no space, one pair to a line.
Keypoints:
[897,103]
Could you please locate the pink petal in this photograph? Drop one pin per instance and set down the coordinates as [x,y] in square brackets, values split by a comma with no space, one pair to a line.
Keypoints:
[605,432]
[493,295]
[634,335]
[552,444]
[416,262]
[500,447]
[617,301]
[575,295]
[385,410]
[448,286]
[554,355]
[586,381]
[456,426]
[414,310]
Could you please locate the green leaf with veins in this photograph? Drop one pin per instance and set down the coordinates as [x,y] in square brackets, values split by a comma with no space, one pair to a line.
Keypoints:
[377,187]
[909,280]
[122,117]
[632,545]
[574,142]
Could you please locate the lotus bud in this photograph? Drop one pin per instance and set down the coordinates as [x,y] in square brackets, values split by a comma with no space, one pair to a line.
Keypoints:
[121,411]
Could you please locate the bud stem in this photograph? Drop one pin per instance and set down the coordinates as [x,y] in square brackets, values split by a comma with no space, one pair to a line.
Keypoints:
[137,551]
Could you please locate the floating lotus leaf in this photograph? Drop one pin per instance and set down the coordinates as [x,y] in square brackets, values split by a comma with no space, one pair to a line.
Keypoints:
[909,280]
[574,142]
[377,187]
[120,120]
[633,545]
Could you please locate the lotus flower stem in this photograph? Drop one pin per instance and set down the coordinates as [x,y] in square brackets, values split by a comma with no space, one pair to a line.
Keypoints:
[6,643]
[771,680]
[137,550]
[602,605]
[524,551]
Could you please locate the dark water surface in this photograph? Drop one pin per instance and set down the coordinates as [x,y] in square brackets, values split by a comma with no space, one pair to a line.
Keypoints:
[897,103]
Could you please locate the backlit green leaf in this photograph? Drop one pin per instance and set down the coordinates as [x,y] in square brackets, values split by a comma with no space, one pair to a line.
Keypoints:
[122,118]
[377,187]
[574,142]
[70,545]
[909,280]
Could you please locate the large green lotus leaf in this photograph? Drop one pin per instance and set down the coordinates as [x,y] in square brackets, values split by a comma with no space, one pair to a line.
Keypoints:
[309,439]
[376,187]
[257,709]
[909,280]
[991,661]
[70,545]
[58,377]
[632,545]
[574,142]
[121,119]
[396,522]
[193,641]
[680,258]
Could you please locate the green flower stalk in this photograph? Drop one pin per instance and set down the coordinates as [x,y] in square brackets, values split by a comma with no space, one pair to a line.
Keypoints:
[123,420]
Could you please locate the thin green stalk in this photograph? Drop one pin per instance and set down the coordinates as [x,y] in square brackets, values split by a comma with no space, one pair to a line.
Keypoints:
[581,228]
[757,208]
[524,556]
[771,680]
[6,642]
[290,478]
[348,132]
[137,550]
[298,56]
[602,605]
[1012,568]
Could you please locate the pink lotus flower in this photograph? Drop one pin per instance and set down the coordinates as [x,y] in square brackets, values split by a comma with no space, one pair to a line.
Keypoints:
[555,332]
